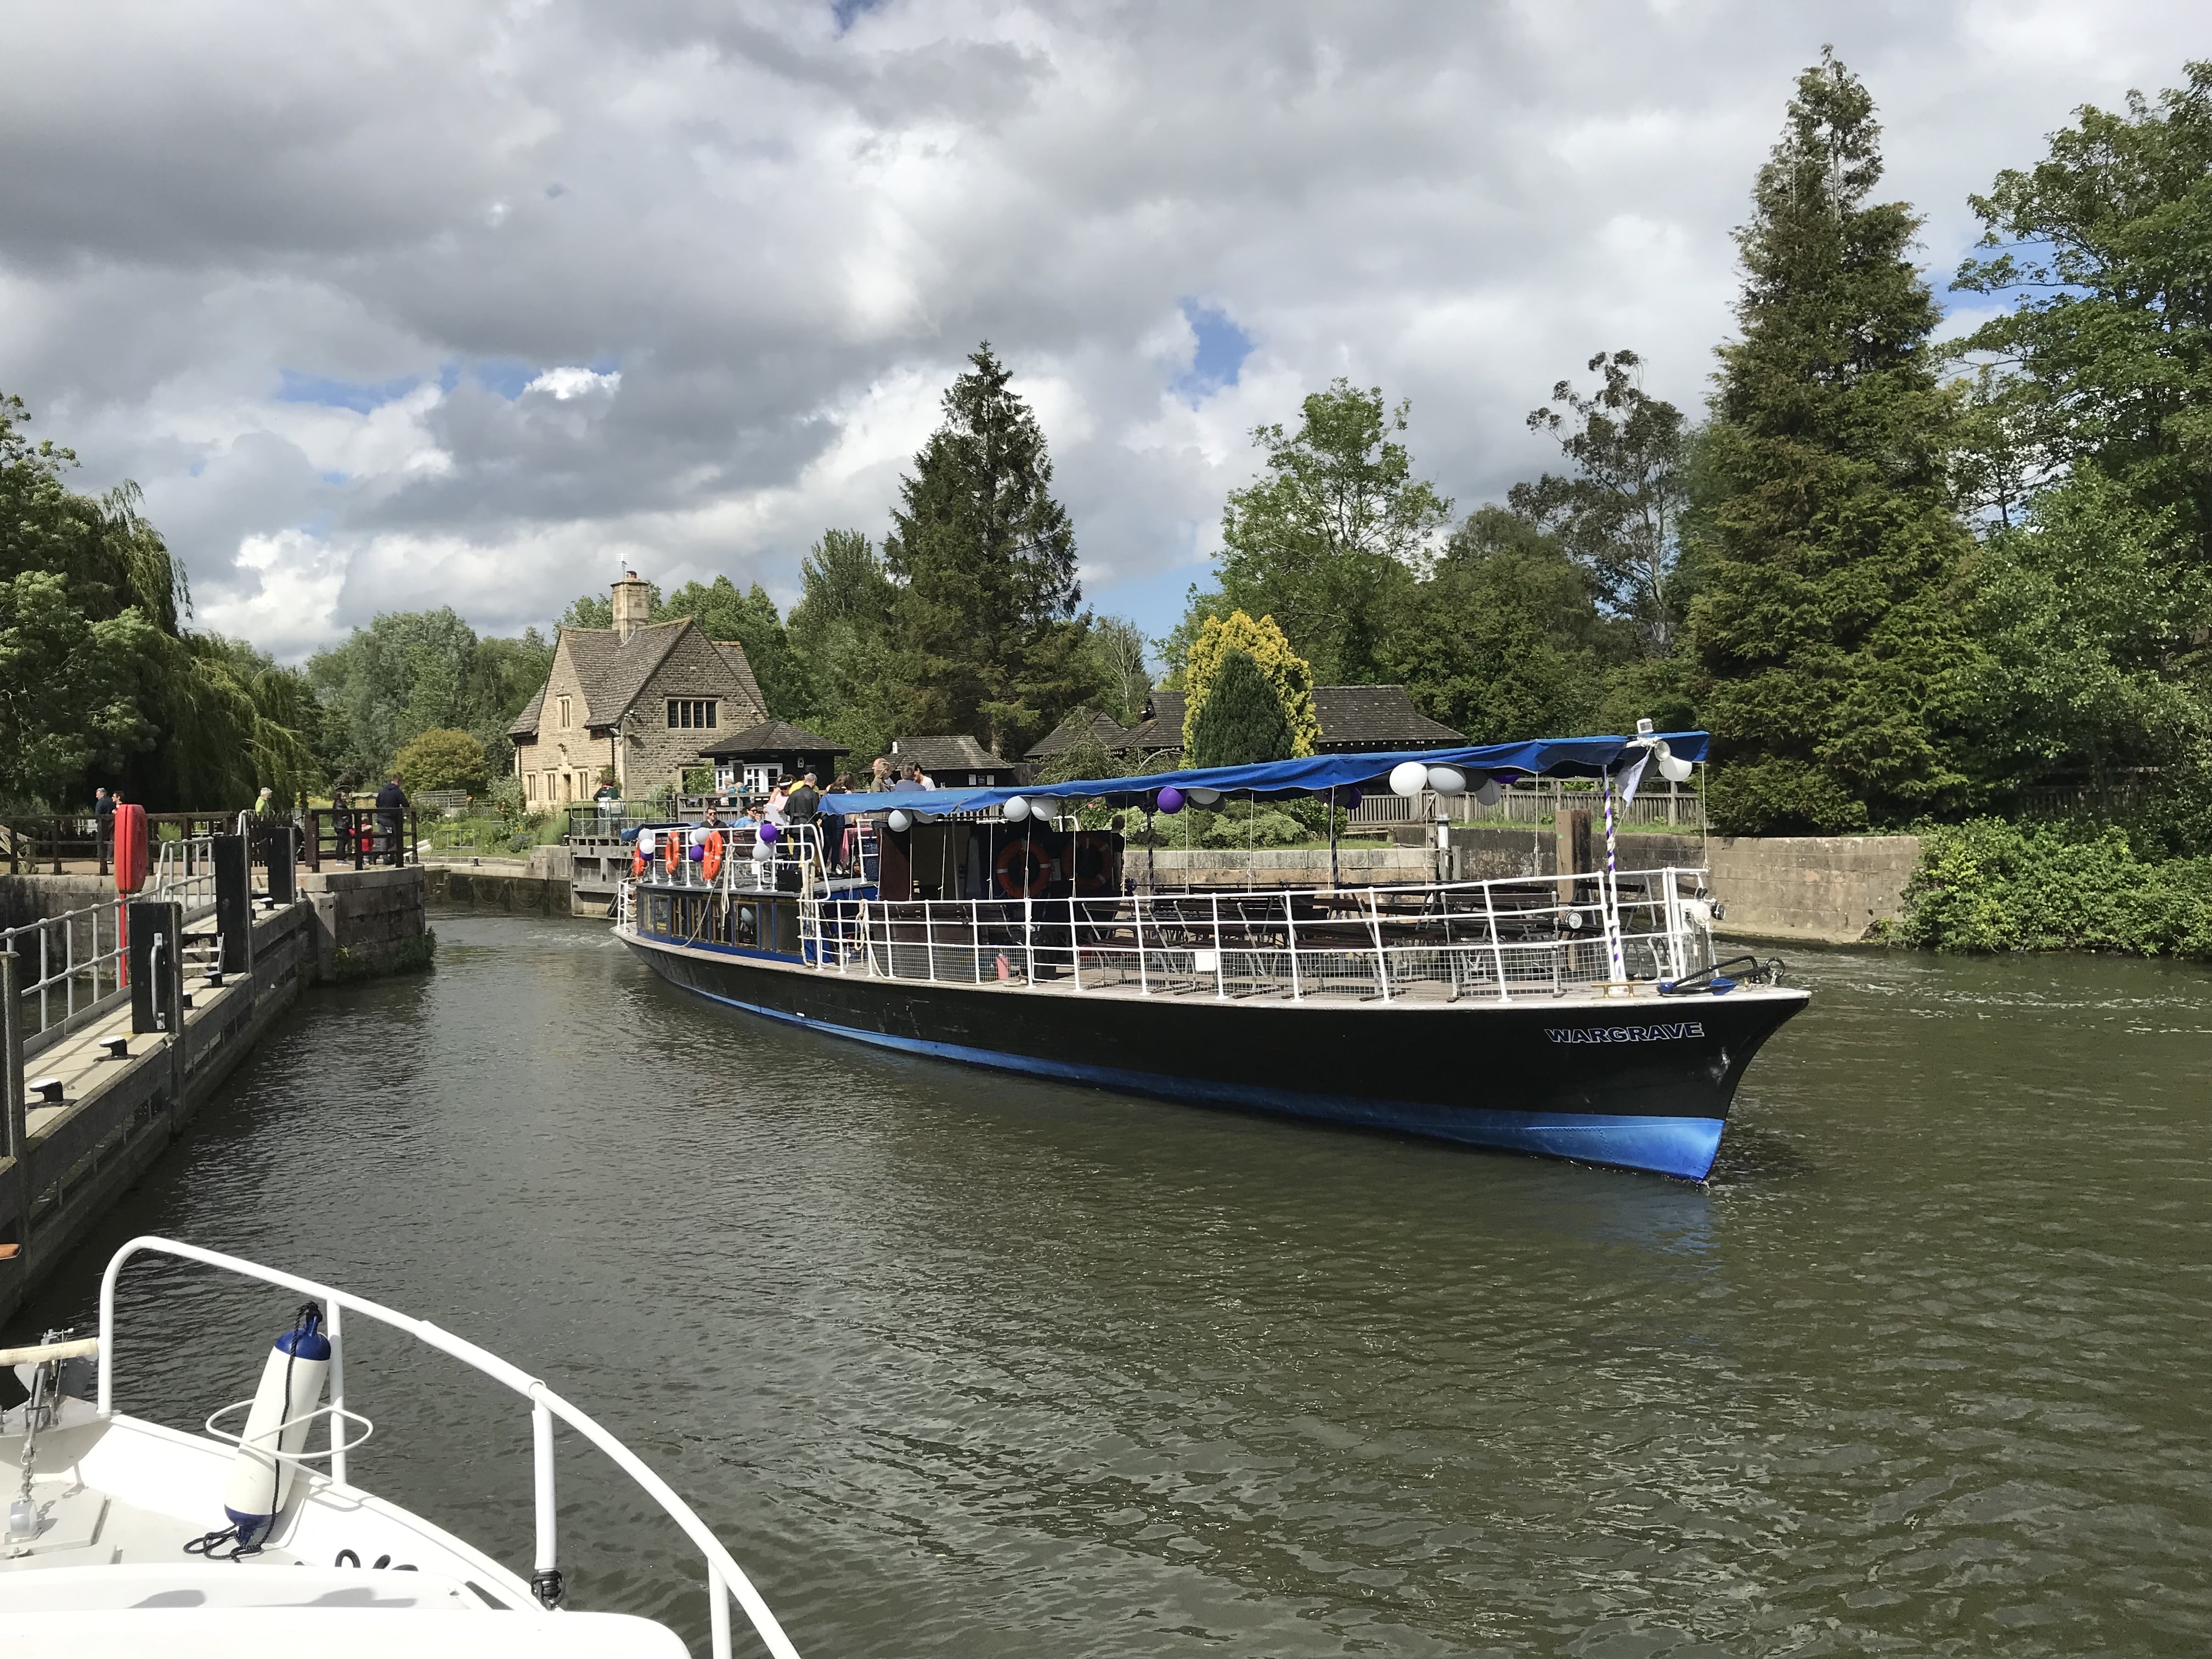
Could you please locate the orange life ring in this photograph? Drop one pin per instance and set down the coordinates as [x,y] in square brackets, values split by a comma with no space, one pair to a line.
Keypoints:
[637,860]
[710,860]
[1021,870]
[672,841]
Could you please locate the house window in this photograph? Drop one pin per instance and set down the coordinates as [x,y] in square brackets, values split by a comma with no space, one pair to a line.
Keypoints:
[761,778]
[566,722]
[691,714]
[532,779]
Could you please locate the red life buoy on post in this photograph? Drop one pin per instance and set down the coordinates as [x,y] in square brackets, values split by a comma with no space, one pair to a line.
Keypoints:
[710,860]
[1020,870]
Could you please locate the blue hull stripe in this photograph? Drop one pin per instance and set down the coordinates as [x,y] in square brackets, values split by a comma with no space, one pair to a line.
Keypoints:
[1682,1146]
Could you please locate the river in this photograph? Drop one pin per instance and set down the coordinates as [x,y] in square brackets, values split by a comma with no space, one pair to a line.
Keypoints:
[960,1365]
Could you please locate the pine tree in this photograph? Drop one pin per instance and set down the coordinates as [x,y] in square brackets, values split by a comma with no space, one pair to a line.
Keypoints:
[1244,720]
[1829,633]
[988,639]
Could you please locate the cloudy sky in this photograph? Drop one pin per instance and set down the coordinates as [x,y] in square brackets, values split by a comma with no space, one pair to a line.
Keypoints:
[388,306]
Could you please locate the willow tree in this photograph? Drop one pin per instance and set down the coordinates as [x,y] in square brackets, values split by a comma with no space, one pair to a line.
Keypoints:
[1836,665]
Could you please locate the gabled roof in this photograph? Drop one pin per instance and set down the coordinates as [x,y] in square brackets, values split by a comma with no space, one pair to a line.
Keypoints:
[1352,717]
[1084,723]
[950,753]
[1376,717]
[525,723]
[613,673]
[772,737]
[734,654]
[1161,727]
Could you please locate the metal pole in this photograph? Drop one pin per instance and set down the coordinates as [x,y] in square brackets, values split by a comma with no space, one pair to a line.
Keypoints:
[1618,975]
[546,1579]
[333,1329]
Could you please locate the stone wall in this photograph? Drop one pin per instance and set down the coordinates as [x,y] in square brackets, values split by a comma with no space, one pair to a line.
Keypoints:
[1830,889]
[367,921]
[496,884]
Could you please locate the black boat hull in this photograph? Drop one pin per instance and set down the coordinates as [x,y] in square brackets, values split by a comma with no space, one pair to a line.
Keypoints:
[1642,1083]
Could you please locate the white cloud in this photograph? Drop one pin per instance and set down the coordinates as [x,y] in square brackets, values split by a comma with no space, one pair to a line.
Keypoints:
[344,290]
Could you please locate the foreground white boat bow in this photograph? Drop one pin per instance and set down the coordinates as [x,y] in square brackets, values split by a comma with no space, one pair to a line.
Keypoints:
[123,1535]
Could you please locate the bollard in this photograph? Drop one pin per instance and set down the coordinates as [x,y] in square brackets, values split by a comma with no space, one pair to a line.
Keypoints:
[283,878]
[157,965]
[234,903]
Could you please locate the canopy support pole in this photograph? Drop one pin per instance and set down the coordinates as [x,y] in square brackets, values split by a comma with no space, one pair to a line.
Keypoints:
[1334,879]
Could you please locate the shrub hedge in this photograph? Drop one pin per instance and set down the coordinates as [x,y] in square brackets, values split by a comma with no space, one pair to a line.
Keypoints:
[1987,886]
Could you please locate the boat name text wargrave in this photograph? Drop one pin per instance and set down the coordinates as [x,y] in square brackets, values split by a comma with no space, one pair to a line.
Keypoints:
[1674,1033]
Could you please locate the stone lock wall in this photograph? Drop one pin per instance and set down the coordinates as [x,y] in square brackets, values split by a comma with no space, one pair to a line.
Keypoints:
[367,921]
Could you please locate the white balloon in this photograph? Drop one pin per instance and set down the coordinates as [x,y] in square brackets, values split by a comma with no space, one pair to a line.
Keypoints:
[646,841]
[1408,778]
[1674,769]
[763,851]
[1446,780]
[899,822]
[1015,810]
[1043,808]
[1491,793]
[1201,797]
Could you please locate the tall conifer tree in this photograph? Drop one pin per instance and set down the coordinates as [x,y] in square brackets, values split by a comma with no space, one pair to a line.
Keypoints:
[988,637]
[1837,664]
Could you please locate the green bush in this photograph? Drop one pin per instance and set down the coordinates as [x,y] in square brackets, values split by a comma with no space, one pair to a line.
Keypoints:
[1269,827]
[1987,886]
[441,758]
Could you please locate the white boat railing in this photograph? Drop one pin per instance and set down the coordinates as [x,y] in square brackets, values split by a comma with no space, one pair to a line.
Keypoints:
[725,1579]
[1493,938]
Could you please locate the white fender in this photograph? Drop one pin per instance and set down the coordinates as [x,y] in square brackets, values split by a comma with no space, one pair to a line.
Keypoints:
[261,1482]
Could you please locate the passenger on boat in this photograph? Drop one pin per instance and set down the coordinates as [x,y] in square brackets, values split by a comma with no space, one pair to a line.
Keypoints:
[916,778]
[777,807]
[836,833]
[880,778]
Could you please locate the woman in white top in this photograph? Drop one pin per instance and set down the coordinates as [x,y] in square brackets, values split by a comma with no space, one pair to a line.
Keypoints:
[777,799]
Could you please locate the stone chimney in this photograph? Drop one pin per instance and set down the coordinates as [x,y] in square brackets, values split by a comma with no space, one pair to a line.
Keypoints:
[633,606]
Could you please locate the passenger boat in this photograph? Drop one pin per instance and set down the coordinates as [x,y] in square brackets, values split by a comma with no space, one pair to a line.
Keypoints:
[126,1537]
[1584,1016]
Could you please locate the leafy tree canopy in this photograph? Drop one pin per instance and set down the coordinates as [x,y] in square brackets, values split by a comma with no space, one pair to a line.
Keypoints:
[1620,512]
[442,759]
[1331,531]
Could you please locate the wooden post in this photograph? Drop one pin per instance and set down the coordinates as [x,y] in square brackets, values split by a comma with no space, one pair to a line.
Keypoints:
[15,1138]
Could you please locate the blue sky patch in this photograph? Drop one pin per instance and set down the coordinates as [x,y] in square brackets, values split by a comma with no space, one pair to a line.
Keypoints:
[508,378]
[360,397]
[845,11]
[1222,348]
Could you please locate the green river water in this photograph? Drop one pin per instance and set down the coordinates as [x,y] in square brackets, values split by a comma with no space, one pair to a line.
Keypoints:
[962,1364]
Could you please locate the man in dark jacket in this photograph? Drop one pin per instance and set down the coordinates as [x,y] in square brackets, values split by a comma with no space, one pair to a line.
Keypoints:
[391,816]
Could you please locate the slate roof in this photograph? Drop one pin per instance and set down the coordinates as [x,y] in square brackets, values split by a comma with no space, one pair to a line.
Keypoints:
[1352,717]
[772,737]
[614,673]
[1356,717]
[950,754]
[525,723]
[1082,724]
[1161,727]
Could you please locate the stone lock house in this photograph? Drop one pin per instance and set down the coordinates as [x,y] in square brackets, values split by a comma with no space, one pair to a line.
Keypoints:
[645,698]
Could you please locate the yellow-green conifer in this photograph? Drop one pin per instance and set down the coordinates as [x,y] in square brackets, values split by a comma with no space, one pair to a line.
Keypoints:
[1261,640]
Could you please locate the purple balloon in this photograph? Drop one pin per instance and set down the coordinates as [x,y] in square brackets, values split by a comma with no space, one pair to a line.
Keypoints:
[1171,799]
[697,852]
[768,833]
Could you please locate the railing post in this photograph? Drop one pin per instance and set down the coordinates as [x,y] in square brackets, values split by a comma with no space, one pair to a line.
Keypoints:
[1497,950]
[718,1613]
[1137,924]
[1290,936]
[1074,946]
[1382,961]
[545,1580]
[1220,973]
[334,1330]
[1028,938]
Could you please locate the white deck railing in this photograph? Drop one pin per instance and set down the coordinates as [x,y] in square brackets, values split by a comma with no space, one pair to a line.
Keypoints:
[725,1579]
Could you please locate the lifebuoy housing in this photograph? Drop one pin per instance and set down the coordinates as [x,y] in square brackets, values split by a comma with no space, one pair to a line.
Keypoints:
[710,860]
[1021,870]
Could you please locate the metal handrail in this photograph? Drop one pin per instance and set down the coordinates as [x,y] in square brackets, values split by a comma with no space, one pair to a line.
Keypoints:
[725,1578]
[1519,934]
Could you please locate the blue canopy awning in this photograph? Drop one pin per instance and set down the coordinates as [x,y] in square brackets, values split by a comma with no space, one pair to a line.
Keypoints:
[1315,774]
